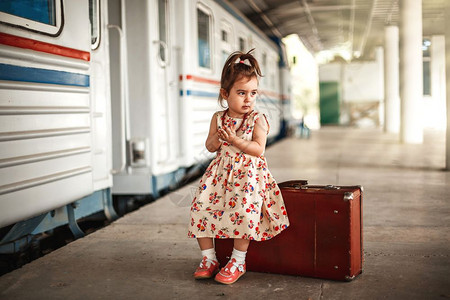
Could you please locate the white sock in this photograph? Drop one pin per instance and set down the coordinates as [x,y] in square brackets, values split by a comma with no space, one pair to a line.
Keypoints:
[239,256]
[210,255]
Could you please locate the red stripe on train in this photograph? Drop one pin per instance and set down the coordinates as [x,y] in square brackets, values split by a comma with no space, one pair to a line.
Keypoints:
[215,82]
[21,42]
[200,79]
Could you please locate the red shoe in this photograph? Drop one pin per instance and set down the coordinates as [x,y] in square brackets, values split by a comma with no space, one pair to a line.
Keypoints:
[204,272]
[226,277]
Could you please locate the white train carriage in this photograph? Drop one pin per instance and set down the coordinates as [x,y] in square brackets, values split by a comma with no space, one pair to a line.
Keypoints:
[55,133]
[176,51]
[106,97]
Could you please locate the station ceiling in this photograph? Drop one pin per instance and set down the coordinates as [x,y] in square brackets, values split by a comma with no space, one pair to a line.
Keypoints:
[352,27]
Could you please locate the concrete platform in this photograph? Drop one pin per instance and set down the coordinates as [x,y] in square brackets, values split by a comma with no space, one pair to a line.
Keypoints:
[146,254]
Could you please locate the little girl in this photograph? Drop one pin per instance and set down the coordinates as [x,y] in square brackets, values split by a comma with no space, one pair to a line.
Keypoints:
[237,197]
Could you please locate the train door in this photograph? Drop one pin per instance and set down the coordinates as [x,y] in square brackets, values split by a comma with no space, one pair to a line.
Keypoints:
[165,93]
[100,95]
[144,95]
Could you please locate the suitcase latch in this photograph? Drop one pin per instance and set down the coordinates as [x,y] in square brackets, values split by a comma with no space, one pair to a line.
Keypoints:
[332,187]
[348,196]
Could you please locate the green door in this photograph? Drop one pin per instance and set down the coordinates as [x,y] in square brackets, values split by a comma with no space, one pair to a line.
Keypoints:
[329,103]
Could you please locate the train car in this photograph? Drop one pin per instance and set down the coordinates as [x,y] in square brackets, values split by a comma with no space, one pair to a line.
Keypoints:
[112,98]
[175,54]
[55,132]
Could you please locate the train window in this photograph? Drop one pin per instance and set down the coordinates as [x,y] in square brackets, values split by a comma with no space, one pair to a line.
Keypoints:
[242,44]
[162,11]
[94,17]
[36,15]
[426,45]
[204,40]
[227,36]
[270,71]
[224,36]
[225,55]
[273,67]
[264,60]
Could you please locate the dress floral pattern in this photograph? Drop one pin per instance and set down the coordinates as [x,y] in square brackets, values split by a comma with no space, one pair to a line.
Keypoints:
[237,195]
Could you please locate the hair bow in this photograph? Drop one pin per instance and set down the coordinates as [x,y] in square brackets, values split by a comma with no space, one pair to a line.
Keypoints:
[243,61]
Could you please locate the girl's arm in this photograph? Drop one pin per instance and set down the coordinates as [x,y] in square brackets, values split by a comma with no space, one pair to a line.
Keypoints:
[254,147]
[212,141]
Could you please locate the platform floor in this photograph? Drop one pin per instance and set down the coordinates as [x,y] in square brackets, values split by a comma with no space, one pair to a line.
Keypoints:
[146,254]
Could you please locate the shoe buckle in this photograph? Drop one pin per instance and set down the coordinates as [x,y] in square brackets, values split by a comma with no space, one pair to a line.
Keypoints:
[204,262]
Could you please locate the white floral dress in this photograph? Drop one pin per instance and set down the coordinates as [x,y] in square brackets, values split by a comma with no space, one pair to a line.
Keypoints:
[237,196]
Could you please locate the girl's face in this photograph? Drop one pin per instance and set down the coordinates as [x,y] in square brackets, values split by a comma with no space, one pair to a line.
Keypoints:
[242,97]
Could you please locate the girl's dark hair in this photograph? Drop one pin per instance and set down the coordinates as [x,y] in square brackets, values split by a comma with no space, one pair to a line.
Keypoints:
[238,65]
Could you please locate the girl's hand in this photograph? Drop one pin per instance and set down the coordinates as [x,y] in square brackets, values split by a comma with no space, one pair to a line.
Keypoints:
[227,134]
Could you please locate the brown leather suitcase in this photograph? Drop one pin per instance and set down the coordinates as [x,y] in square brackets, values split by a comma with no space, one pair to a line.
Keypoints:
[324,239]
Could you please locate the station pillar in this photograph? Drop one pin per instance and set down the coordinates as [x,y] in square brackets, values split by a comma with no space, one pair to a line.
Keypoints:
[447,76]
[411,71]
[391,80]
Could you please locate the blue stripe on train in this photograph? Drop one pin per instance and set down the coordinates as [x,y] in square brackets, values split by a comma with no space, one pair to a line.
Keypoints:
[26,74]
[200,94]
[215,95]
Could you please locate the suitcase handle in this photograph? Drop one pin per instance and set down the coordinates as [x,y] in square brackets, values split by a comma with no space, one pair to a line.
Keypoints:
[296,184]
[332,187]
[325,187]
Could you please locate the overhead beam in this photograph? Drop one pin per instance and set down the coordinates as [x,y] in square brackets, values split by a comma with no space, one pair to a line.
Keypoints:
[266,19]
[291,7]
[367,29]
[394,8]
[351,29]
[307,44]
[318,44]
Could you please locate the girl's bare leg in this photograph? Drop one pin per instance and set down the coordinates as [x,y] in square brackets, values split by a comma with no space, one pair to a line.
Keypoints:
[241,244]
[205,243]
